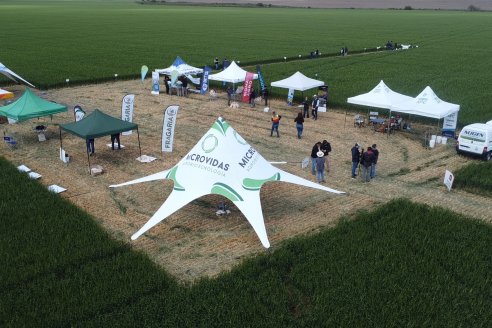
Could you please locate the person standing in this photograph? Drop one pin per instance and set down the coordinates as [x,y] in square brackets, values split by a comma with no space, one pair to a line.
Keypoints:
[265,96]
[115,137]
[90,146]
[229,95]
[299,124]
[216,63]
[184,85]
[326,149]
[306,107]
[275,123]
[252,97]
[166,83]
[376,155]
[355,159]
[367,160]
[314,156]
[315,107]
[320,166]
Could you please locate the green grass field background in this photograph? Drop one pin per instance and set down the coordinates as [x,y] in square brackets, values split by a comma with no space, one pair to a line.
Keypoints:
[49,41]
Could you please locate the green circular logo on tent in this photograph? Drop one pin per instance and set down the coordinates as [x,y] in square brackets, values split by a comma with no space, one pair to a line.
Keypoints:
[239,138]
[210,143]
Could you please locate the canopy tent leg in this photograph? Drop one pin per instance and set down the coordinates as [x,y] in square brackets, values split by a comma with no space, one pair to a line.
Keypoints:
[139,148]
[88,157]
[345,119]
[61,144]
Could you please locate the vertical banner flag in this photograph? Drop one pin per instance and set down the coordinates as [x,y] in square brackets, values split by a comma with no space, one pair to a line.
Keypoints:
[143,72]
[155,83]
[448,179]
[290,97]
[260,78]
[248,83]
[204,85]
[168,128]
[127,111]
[449,125]
[174,77]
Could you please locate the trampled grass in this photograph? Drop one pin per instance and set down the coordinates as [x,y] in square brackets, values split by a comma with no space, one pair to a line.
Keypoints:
[402,264]
[91,41]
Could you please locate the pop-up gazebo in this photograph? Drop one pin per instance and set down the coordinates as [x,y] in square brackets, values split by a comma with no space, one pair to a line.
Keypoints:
[232,74]
[96,125]
[181,67]
[31,106]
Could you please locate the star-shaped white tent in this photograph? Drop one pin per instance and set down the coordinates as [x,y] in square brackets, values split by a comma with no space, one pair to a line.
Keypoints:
[221,163]
[11,75]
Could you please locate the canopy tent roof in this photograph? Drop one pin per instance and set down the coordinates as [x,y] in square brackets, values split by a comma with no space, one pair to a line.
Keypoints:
[31,106]
[180,66]
[98,124]
[4,94]
[224,170]
[427,104]
[232,74]
[11,75]
[381,97]
[298,81]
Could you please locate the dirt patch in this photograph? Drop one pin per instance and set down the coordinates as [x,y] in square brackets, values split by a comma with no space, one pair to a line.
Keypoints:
[194,242]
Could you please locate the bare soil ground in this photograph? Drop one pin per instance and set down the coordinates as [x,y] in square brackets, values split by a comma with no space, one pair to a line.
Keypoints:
[194,242]
[361,4]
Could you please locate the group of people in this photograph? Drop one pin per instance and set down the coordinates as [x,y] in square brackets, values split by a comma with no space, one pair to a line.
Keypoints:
[320,160]
[314,53]
[183,87]
[115,139]
[314,103]
[366,160]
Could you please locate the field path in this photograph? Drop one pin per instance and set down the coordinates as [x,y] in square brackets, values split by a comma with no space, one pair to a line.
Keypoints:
[194,242]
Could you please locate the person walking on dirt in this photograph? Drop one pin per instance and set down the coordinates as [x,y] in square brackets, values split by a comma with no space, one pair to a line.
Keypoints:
[299,124]
[355,159]
[229,95]
[320,166]
[376,155]
[305,104]
[315,107]
[275,123]
[326,149]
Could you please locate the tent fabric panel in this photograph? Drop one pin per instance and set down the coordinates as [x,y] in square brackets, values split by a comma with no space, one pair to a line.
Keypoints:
[232,74]
[98,124]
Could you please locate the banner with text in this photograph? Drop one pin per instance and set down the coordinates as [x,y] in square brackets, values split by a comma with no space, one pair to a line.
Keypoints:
[168,128]
[260,78]
[204,85]
[248,84]
[127,111]
[155,83]
[290,97]
[449,125]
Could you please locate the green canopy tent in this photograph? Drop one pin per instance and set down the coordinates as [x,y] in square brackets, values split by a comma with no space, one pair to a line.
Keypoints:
[30,106]
[98,124]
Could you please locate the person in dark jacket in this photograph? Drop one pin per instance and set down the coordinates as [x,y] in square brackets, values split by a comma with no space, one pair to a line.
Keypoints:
[367,160]
[299,124]
[265,96]
[306,103]
[252,97]
[314,156]
[355,159]
[326,149]
[376,155]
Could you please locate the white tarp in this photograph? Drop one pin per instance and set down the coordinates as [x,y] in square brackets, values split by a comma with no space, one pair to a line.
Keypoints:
[221,163]
[232,74]
[427,104]
[180,66]
[298,81]
[380,97]
[4,94]
[11,75]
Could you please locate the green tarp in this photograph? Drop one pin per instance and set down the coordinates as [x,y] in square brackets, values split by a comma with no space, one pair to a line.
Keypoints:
[97,124]
[31,106]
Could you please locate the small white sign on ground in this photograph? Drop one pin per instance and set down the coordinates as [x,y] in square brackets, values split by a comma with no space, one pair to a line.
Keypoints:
[23,168]
[56,189]
[146,159]
[448,179]
[115,146]
[34,175]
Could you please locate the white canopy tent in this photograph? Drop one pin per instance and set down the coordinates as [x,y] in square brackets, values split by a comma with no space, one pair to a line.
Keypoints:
[232,74]
[298,81]
[380,97]
[180,66]
[427,104]
[11,75]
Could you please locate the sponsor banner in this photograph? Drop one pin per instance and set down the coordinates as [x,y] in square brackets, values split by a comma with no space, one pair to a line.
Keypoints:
[260,78]
[127,111]
[168,128]
[449,124]
[204,85]
[174,77]
[143,72]
[290,97]
[448,179]
[155,83]
[248,84]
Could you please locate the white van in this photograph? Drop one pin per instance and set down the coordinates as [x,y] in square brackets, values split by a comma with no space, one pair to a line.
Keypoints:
[476,139]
